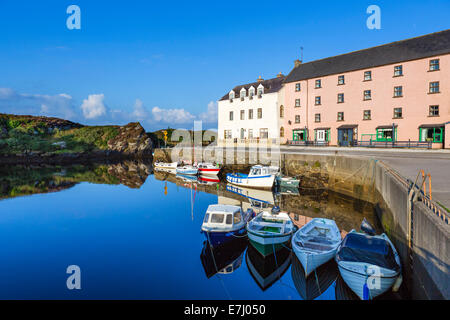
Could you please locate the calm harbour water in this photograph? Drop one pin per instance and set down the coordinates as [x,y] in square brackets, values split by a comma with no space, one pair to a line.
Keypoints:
[136,235]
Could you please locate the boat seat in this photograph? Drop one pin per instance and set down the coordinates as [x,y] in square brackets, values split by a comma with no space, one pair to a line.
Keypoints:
[315,246]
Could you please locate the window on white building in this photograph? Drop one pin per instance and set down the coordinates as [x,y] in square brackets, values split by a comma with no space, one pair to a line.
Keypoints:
[263,133]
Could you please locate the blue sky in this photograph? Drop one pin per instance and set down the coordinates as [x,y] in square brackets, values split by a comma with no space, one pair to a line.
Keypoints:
[166,63]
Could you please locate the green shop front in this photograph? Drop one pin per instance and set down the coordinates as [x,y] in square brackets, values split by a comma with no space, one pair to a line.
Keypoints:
[385,133]
[300,134]
[434,133]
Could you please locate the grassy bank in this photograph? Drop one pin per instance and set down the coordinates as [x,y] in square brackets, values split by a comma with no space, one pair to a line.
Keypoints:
[25,135]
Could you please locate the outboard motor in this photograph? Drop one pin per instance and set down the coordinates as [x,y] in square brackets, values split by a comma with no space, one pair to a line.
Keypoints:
[367,228]
[276,210]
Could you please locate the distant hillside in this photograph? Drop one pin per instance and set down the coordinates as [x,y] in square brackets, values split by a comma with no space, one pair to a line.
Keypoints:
[42,137]
[158,138]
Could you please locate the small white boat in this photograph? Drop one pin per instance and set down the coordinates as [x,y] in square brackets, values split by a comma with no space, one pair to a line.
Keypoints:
[223,223]
[209,169]
[269,231]
[316,243]
[166,166]
[369,265]
[259,177]
[187,170]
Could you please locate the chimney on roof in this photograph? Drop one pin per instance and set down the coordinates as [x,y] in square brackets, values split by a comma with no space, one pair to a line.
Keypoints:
[297,63]
[260,79]
[280,75]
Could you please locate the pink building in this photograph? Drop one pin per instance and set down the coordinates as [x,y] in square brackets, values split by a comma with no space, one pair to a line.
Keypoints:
[395,92]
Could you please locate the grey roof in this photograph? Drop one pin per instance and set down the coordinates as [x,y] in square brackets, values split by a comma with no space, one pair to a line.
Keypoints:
[405,50]
[270,85]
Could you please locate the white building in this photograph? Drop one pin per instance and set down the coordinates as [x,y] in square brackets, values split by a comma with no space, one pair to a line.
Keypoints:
[252,113]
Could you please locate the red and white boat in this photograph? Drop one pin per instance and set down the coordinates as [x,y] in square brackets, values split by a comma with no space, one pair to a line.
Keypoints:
[208,169]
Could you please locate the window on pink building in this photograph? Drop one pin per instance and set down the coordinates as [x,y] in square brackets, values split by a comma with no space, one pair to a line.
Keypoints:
[297,119]
[340,98]
[367,75]
[318,84]
[317,117]
[297,102]
[398,71]
[340,116]
[434,111]
[367,95]
[318,100]
[434,87]
[341,80]
[398,113]
[297,87]
[434,65]
[398,91]
[367,115]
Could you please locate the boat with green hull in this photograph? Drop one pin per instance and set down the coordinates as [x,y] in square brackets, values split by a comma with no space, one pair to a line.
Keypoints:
[269,231]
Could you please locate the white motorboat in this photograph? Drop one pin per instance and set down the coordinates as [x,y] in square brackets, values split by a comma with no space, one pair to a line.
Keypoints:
[316,243]
[223,223]
[369,265]
[166,165]
[187,170]
[259,177]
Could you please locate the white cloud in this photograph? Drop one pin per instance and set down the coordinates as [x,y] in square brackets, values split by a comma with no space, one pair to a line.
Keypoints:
[175,116]
[93,106]
[7,93]
[210,116]
[139,111]
[60,105]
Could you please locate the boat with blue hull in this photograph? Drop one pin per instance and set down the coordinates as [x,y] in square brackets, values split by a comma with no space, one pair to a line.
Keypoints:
[223,223]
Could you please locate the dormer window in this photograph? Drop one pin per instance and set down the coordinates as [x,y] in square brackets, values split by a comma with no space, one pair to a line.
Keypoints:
[243,94]
[231,96]
[260,91]
[251,92]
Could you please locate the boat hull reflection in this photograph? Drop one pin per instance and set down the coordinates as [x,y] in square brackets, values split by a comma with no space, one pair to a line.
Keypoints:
[267,270]
[223,259]
[317,282]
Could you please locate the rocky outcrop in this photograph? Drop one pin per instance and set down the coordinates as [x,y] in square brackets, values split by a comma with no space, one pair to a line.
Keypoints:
[28,139]
[132,140]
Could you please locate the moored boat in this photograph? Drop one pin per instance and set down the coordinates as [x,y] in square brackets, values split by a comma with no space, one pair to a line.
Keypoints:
[187,170]
[316,243]
[223,223]
[369,265]
[166,165]
[258,177]
[270,231]
[206,168]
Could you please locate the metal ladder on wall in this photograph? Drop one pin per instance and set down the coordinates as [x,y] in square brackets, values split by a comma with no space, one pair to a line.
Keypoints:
[421,193]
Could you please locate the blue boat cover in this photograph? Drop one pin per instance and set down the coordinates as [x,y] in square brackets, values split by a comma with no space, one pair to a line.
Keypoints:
[359,247]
